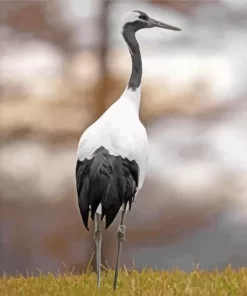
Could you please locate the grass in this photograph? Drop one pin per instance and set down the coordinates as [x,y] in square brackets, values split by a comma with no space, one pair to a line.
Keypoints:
[147,282]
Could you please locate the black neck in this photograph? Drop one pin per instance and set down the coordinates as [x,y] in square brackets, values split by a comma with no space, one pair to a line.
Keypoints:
[136,73]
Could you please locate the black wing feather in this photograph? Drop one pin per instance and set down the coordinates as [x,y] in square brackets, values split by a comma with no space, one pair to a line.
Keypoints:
[106,179]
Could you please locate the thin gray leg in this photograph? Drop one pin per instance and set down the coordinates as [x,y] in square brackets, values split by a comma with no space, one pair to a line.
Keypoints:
[98,241]
[121,239]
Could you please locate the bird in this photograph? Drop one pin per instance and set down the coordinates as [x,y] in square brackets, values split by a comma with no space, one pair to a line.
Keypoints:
[112,154]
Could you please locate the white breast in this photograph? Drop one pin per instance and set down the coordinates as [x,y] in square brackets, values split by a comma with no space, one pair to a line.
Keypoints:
[120,131]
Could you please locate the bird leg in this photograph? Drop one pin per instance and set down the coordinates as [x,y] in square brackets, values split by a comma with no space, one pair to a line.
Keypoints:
[121,239]
[98,241]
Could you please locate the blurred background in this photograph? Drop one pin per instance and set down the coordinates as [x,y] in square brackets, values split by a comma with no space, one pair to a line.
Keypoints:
[62,63]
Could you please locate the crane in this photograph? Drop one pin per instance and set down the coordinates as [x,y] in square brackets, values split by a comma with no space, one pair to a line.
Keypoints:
[113,151]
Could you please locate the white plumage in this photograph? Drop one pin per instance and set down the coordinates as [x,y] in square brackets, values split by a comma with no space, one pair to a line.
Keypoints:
[120,131]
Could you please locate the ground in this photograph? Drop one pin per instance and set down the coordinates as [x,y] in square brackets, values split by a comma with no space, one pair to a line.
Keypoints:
[131,282]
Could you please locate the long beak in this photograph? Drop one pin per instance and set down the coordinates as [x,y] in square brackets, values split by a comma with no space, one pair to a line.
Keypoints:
[158,24]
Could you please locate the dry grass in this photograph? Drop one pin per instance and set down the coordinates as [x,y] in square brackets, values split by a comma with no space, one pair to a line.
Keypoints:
[147,282]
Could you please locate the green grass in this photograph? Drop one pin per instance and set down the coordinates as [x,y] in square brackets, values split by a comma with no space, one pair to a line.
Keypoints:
[147,282]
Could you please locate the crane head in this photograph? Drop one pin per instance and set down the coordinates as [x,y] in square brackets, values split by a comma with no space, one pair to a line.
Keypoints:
[140,20]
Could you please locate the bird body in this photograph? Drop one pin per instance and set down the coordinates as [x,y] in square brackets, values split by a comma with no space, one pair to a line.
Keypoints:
[113,152]
[120,132]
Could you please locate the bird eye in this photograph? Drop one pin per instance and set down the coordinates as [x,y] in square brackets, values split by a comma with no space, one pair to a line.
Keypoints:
[143,17]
